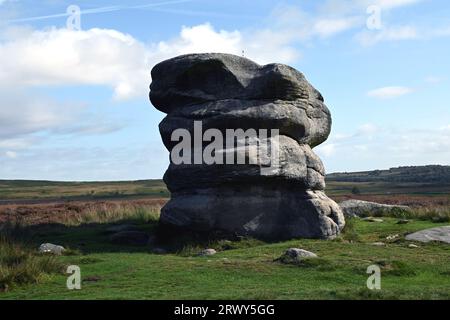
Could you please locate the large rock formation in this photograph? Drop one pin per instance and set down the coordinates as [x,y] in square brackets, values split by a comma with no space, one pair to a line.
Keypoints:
[255,198]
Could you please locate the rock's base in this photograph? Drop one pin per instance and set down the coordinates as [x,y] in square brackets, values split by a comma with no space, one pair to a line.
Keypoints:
[265,212]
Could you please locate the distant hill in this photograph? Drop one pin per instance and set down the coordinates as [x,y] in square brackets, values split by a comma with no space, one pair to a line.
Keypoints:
[403,180]
[418,174]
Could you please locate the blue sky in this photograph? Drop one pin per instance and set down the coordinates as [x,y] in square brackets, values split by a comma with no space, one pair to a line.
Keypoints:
[74,106]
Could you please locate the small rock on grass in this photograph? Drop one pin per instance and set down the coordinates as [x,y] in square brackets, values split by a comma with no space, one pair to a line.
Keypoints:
[207,252]
[440,234]
[51,249]
[372,219]
[393,237]
[403,221]
[378,244]
[295,255]
[413,246]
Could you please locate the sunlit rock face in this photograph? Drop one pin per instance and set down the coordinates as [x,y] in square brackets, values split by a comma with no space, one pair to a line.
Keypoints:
[209,95]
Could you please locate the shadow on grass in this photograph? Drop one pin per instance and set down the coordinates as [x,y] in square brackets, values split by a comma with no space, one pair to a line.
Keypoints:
[89,238]
[84,238]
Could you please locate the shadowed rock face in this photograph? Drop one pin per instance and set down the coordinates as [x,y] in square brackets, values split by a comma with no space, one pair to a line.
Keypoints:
[230,92]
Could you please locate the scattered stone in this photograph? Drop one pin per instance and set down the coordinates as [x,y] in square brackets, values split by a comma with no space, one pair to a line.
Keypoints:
[51,249]
[208,252]
[403,221]
[296,255]
[357,208]
[412,246]
[372,219]
[393,237]
[440,234]
[133,238]
[378,244]
[223,91]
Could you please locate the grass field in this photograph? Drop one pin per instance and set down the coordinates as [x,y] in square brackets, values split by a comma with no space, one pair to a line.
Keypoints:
[14,191]
[247,269]
[243,269]
[42,190]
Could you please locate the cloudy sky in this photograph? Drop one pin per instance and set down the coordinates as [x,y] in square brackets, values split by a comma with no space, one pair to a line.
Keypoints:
[74,106]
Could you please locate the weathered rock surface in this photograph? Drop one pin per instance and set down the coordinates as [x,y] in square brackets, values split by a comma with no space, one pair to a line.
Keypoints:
[207,252]
[440,234]
[297,253]
[226,92]
[357,208]
[260,211]
[298,164]
[295,256]
[51,249]
[307,122]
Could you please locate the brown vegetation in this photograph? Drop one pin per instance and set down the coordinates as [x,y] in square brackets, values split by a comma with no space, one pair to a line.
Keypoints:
[63,212]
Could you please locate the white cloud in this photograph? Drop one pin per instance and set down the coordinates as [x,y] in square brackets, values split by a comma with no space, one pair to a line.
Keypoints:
[441,32]
[434,79]
[330,27]
[391,4]
[326,150]
[16,143]
[32,59]
[25,118]
[298,25]
[21,114]
[11,154]
[367,129]
[390,92]
[396,33]
[111,58]
[65,57]
[391,147]
[357,6]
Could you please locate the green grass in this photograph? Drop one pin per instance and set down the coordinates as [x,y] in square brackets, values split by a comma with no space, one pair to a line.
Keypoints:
[246,269]
[20,264]
[38,190]
[343,188]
